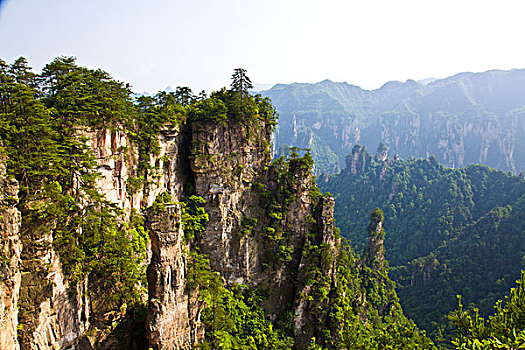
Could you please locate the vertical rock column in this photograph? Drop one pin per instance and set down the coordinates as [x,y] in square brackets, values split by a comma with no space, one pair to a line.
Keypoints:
[10,250]
[312,315]
[173,320]
[116,163]
[227,160]
[375,256]
[358,161]
[53,313]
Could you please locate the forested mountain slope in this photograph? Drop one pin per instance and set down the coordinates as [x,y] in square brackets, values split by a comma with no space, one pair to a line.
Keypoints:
[464,119]
[451,231]
[162,222]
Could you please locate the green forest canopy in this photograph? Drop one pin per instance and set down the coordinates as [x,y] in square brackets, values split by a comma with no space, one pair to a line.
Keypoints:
[451,231]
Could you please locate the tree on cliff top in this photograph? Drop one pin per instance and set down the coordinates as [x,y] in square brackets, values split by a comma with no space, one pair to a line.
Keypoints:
[241,83]
[184,95]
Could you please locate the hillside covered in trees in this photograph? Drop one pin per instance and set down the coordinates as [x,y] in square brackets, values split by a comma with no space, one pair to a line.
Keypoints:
[451,231]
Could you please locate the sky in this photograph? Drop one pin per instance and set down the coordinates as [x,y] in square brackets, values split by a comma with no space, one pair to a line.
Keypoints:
[198,43]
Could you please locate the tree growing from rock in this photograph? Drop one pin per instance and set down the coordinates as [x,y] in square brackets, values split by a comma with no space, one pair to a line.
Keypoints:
[240,85]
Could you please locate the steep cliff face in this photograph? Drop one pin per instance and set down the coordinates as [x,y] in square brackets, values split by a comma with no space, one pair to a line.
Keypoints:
[39,311]
[227,160]
[380,297]
[268,229]
[116,162]
[52,313]
[375,255]
[10,250]
[263,222]
[55,313]
[358,161]
[242,249]
[308,319]
[173,320]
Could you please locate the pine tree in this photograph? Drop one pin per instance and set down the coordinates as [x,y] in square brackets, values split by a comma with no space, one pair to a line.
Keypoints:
[240,86]
[241,83]
[184,95]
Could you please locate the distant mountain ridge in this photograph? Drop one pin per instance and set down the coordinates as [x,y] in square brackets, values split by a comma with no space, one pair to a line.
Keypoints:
[463,119]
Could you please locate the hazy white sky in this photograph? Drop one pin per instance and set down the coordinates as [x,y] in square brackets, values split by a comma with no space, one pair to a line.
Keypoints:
[197,43]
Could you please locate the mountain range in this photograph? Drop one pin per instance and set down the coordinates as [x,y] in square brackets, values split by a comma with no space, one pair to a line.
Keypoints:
[464,119]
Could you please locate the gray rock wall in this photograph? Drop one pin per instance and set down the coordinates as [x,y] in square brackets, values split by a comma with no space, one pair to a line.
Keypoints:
[10,250]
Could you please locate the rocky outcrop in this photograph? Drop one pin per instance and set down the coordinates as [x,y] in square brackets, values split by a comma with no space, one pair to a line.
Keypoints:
[116,162]
[375,255]
[309,313]
[53,313]
[381,153]
[173,320]
[10,250]
[227,160]
[358,161]
[38,310]
[423,269]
